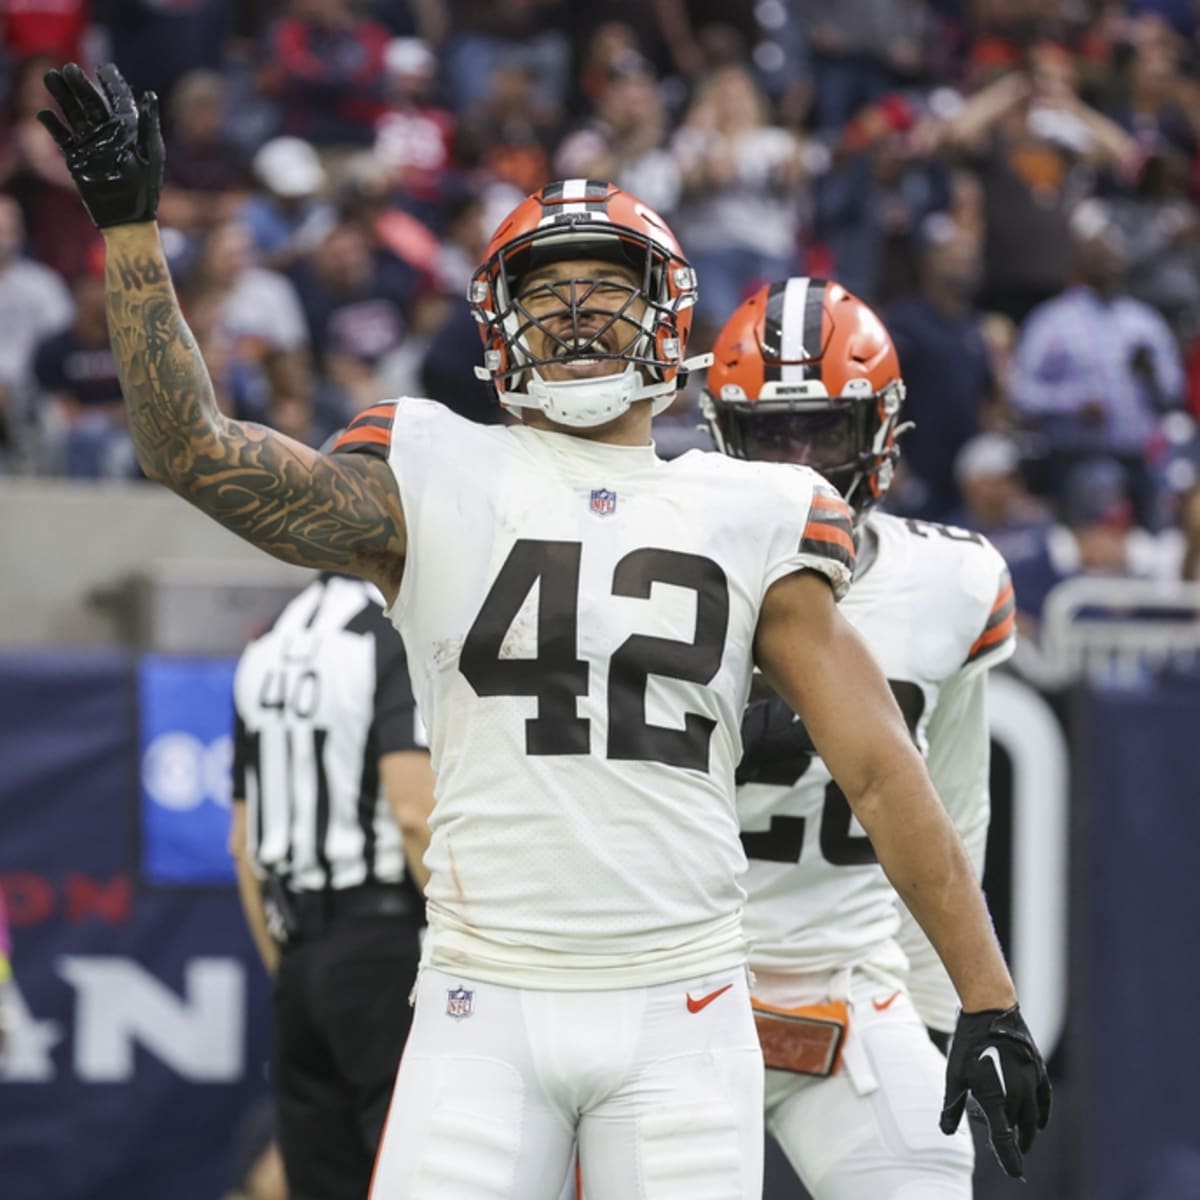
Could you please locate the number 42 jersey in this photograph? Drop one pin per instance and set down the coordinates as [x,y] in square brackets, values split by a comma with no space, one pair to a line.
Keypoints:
[579,620]
[935,605]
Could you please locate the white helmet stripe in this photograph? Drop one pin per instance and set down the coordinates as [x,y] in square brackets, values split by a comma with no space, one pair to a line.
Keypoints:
[791,339]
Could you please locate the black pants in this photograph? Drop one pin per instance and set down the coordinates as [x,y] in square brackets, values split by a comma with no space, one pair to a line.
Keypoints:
[341,1020]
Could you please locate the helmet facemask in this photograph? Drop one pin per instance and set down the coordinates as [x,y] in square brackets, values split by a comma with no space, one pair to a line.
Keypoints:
[850,440]
[609,318]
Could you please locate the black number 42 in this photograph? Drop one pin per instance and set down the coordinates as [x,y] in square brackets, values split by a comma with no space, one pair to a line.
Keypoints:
[557,676]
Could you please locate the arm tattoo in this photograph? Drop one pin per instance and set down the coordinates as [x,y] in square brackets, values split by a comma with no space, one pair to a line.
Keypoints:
[314,510]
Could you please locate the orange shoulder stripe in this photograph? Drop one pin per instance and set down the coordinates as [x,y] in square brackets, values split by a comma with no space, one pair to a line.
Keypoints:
[355,436]
[823,531]
[996,634]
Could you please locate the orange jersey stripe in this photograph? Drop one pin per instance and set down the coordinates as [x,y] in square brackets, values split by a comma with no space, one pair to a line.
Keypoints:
[1003,598]
[996,634]
[822,531]
[386,408]
[363,433]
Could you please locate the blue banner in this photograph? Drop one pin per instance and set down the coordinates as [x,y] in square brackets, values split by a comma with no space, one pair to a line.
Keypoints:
[185,739]
[143,1013]
[1137,1059]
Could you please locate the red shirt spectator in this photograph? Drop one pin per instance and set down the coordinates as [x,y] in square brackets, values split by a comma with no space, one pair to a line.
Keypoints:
[329,68]
[54,28]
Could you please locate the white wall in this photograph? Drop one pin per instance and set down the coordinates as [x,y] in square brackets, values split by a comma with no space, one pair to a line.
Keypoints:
[64,543]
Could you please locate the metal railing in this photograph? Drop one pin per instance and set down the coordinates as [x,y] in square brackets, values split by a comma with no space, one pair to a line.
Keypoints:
[1119,631]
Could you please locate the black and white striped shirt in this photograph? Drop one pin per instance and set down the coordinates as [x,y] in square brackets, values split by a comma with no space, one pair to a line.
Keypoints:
[318,698]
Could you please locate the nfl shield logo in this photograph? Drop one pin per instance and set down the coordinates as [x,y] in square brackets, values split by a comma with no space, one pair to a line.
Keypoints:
[604,502]
[459,1002]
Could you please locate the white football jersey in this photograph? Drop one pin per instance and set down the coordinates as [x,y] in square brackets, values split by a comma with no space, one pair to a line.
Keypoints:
[579,620]
[935,605]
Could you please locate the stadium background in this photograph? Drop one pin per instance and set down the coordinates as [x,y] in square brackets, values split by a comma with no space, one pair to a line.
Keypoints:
[958,163]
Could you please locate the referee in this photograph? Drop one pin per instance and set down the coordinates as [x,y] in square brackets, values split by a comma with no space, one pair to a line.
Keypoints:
[332,793]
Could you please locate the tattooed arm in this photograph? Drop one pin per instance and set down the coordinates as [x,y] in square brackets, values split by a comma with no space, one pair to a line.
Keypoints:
[338,512]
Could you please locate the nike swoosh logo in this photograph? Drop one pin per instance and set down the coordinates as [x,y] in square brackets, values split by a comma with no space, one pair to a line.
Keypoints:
[880,1005]
[994,1055]
[694,1005]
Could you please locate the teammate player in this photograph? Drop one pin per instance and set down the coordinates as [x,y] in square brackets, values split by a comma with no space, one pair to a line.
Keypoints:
[804,372]
[581,621]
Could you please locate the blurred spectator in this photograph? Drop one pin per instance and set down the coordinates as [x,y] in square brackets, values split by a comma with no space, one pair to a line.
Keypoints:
[326,69]
[351,307]
[462,245]
[405,250]
[81,394]
[205,179]
[946,367]
[1161,105]
[1097,536]
[486,35]
[34,303]
[259,310]
[286,217]
[860,49]
[61,233]
[157,42]
[1035,145]
[1094,368]
[507,133]
[459,252]
[995,501]
[50,28]
[1159,235]
[605,52]
[414,138]
[448,372]
[742,179]
[626,141]
[1181,15]
[872,203]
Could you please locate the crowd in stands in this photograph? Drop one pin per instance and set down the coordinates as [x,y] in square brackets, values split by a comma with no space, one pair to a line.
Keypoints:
[1014,184]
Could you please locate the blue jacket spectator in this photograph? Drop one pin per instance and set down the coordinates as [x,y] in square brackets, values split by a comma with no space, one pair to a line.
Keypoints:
[946,369]
[1095,368]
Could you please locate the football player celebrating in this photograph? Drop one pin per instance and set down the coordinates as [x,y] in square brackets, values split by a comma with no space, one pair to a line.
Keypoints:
[806,373]
[582,620]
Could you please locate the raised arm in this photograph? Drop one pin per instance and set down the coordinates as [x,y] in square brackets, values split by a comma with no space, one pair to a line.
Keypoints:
[325,511]
[814,658]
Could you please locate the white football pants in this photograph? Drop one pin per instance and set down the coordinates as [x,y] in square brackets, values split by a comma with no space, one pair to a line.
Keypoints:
[664,1096]
[870,1132]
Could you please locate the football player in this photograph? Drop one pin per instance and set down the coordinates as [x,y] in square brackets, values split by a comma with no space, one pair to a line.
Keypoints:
[845,983]
[581,620]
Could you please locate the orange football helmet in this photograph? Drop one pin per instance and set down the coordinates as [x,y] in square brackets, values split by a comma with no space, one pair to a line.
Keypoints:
[805,372]
[581,219]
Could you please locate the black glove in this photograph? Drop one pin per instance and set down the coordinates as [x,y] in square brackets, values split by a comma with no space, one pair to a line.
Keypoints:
[113,148]
[994,1057]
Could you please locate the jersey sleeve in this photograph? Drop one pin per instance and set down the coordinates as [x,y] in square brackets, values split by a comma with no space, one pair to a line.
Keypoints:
[370,432]
[998,632]
[958,760]
[821,539]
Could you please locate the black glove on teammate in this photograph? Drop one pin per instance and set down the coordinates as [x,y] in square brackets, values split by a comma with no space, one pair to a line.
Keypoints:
[994,1057]
[113,148]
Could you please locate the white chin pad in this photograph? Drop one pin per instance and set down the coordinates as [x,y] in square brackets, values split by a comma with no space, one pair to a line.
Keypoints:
[584,403]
